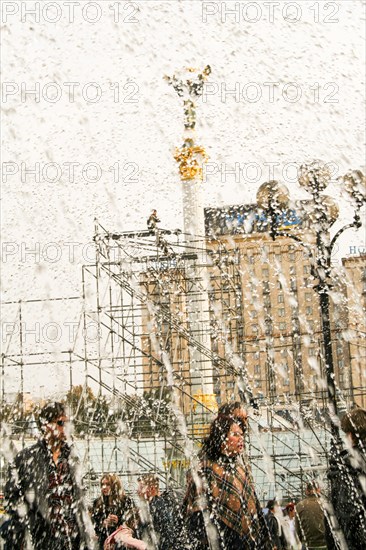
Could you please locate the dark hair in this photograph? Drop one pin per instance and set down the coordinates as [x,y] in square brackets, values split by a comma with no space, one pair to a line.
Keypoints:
[51,412]
[312,486]
[271,504]
[234,409]
[219,430]
[354,422]
[228,408]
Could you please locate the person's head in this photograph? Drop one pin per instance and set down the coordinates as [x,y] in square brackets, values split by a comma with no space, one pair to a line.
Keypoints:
[148,486]
[52,420]
[290,510]
[226,437]
[234,409]
[353,424]
[111,486]
[154,212]
[312,488]
[272,505]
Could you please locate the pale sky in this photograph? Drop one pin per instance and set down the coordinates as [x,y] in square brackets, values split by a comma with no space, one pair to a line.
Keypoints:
[316,54]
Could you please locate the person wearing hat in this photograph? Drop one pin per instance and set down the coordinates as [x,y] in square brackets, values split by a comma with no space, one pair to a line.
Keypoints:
[43,492]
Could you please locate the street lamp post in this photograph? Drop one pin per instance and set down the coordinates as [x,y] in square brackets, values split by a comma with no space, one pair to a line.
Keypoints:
[321,213]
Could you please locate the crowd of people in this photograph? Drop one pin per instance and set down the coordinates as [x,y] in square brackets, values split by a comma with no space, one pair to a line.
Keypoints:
[220,509]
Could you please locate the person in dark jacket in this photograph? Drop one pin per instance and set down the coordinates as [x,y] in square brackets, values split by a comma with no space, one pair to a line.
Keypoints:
[152,225]
[347,476]
[156,523]
[220,505]
[111,508]
[152,221]
[274,526]
[160,516]
[43,491]
[310,519]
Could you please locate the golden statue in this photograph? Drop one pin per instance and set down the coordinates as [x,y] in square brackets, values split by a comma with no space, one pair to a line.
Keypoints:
[191,158]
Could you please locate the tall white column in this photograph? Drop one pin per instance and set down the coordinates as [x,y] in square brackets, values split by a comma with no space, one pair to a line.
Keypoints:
[190,158]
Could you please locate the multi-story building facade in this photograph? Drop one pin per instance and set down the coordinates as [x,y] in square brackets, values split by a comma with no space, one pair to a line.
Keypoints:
[355,288]
[264,310]
[282,345]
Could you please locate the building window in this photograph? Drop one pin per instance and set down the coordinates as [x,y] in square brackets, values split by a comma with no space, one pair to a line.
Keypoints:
[284,374]
[257,369]
[292,270]
[308,296]
[265,273]
[255,329]
[306,269]
[280,299]
[309,310]
[291,256]
[257,383]
[282,326]
[254,313]
[311,352]
[278,258]
[281,312]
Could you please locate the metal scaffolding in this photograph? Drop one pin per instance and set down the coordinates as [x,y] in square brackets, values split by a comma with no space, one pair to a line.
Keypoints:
[149,365]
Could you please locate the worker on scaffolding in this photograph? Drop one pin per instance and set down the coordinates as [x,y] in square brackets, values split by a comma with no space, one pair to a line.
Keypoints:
[152,222]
